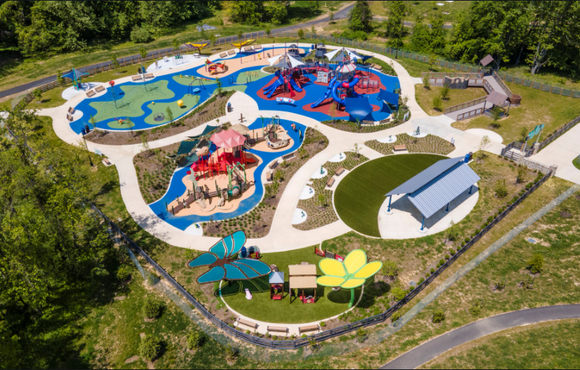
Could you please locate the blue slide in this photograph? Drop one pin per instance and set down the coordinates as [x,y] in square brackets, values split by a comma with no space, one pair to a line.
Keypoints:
[270,89]
[326,94]
[295,85]
[350,85]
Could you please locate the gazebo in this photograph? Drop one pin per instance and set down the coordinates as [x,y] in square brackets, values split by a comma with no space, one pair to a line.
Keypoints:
[229,139]
[303,277]
[276,285]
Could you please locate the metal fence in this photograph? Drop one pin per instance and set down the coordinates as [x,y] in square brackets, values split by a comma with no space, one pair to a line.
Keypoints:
[539,85]
[332,333]
[468,104]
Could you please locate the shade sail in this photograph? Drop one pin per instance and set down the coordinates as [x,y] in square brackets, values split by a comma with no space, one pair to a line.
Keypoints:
[228,139]
[284,61]
[206,131]
[341,54]
[186,147]
[389,97]
[358,108]
[240,128]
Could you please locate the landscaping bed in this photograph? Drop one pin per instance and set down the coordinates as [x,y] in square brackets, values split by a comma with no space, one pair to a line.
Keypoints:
[425,97]
[428,144]
[319,208]
[257,222]
[211,109]
[154,171]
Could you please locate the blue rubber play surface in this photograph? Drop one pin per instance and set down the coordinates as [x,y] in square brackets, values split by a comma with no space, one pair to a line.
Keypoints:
[177,188]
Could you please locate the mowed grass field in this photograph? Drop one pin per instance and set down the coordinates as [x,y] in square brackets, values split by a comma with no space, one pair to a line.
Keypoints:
[359,196]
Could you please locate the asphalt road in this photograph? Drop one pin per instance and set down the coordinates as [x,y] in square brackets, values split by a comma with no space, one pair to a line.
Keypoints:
[437,346]
[229,39]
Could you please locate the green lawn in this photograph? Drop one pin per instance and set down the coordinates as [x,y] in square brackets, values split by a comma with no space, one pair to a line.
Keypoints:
[576,162]
[537,107]
[360,195]
[550,345]
[261,307]
[456,96]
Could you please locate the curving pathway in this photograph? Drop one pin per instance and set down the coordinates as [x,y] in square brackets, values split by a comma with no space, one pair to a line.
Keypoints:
[443,343]
[283,236]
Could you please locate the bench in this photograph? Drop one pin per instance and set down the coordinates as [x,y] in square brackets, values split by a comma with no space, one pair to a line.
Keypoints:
[258,48]
[339,171]
[90,93]
[71,110]
[377,67]
[69,118]
[99,88]
[106,162]
[232,52]
[330,181]
[281,329]
[288,156]
[302,329]
[247,323]
[223,55]
[399,147]
[364,122]
[274,165]
[136,78]
[149,75]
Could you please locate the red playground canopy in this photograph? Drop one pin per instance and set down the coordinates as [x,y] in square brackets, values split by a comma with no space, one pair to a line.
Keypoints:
[228,139]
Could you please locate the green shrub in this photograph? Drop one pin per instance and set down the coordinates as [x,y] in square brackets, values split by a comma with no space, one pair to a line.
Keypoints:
[421,281]
[467,239]
[437,103]
[501,189]
[396,316]
[447,257]
[438,316]
[441,261]
[390,268]
[322,324]
[150,348]
[536,263]
[490,218]
[141,35]
[152,308]
[124,273]
[196,339]
[432,270]
[398,293]
[452,252]
[475,310]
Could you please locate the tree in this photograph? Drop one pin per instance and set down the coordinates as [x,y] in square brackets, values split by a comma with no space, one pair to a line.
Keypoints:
[495,116]
[301,33]
[522,172]
[152,308]
[268,32]
[438,316]
[321,199]
[115,61]
[331,17]
[277,12]
[150,348]
[391,269]
[196,339]
[395,29]
[421,38]
[169,114]
[427,83]
[484,143]
[445,92]
[437,103]
[218,85]
[93,122]
[360,17]
[240,35]
[437,36]
[433,62]
[143,53]
[145,141]
[536,263]
[247,12]
[398,293]
[452,232]
[37,94]
[524,134]
[59,78]
[175,44]
[501,189]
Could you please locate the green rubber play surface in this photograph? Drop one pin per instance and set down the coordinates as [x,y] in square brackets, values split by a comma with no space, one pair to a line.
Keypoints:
[186,80]
[189,102]
[130,104]
[261,307]
[117,125]
[251,76]
[359,196]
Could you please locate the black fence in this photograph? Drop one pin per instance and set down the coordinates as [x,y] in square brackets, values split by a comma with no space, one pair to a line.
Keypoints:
[332,333]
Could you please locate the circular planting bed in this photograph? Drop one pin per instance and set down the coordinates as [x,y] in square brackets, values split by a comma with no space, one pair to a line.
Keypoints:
[361,193]
[329,303]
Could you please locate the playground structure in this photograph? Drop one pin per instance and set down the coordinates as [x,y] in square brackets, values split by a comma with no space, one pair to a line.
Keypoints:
[214,68]
[76,78]
[276,136]
[289,80]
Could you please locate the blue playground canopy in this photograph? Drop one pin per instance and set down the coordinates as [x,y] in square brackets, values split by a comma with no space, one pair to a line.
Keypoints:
[438,185]
[358,108]
[74,74]
[389,97]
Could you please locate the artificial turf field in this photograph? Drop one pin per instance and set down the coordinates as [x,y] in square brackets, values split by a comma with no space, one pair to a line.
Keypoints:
[361,193]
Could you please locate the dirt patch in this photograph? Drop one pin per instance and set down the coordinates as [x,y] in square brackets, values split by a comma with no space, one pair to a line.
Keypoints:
[565,214]
[211,109]
[132,359]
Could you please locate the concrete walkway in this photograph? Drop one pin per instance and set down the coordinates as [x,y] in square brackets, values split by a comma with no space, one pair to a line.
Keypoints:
[283,236]
[562,152]
[465,334]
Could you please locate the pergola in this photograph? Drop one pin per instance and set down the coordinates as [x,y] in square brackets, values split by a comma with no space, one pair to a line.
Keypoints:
[302,277]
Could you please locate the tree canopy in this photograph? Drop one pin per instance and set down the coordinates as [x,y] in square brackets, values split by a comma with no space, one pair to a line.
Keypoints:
[360,17]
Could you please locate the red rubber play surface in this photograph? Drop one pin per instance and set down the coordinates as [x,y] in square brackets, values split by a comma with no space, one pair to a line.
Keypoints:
[279,93]
[325,108]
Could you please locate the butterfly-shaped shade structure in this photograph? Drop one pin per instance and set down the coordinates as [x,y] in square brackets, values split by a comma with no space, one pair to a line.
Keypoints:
[222,265]
[350,273]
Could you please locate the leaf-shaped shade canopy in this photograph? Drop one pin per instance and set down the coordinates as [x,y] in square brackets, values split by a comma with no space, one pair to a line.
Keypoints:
[332,267]
[219,249]
[355,260]
[239,239]
[329,280]
[215,274]
[369,270]
[203,260]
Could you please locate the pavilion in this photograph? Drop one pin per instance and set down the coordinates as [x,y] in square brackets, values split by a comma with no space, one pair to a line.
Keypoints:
[302,277]
[435,187]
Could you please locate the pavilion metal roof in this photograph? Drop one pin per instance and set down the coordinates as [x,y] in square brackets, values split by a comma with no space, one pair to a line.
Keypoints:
[496,98]
[443,189]
[425,177]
